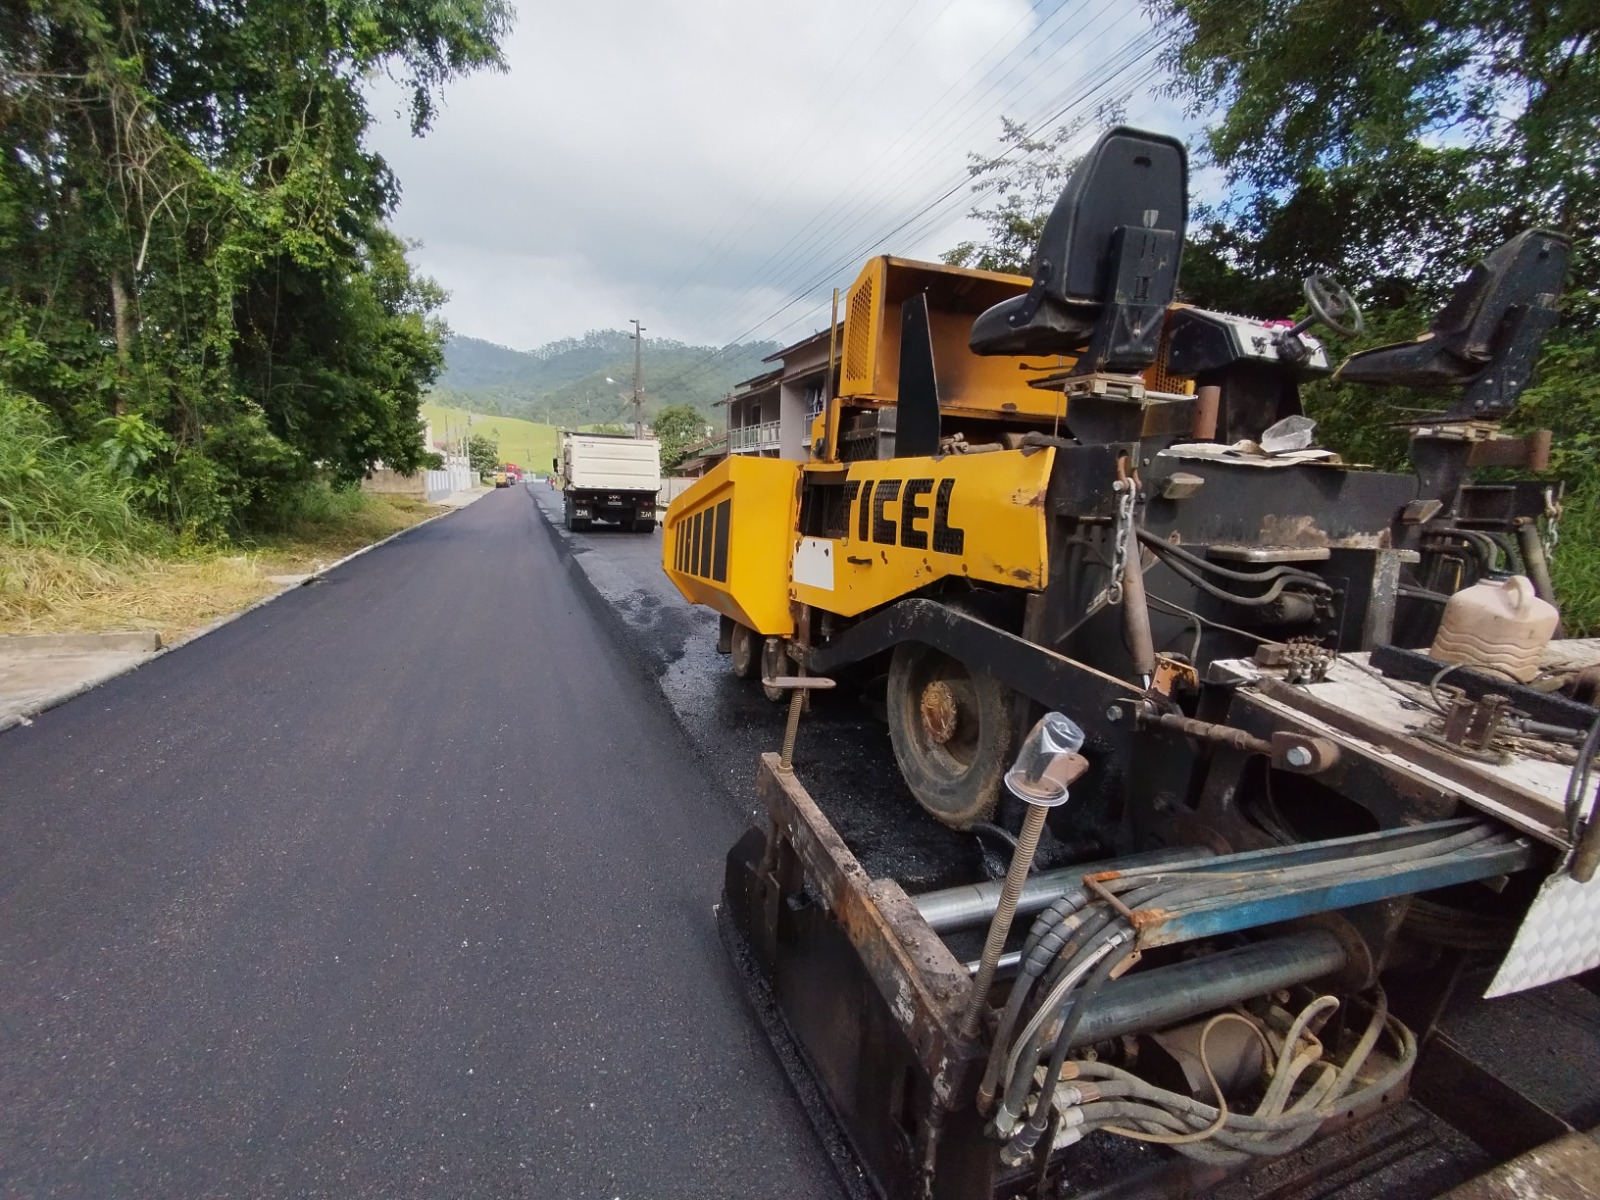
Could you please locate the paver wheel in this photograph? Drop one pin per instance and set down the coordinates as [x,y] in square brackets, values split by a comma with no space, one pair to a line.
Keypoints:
[744,651]
[951,730]
[775,661]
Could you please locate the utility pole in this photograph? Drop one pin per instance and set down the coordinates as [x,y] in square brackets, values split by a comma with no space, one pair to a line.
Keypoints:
[638,381]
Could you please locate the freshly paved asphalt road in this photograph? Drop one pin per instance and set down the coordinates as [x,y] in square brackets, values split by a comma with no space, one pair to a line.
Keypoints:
[399,886]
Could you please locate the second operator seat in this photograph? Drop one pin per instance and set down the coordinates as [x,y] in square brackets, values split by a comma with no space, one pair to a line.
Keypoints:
[1106,266]
[1486,338]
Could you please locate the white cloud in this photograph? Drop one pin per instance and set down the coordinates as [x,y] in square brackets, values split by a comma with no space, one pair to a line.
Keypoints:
[699,165]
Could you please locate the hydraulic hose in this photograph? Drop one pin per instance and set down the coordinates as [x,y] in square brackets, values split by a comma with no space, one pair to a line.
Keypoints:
[1069,1029]
[1200,884]
[1406,1054]
[1044,942]
[1019,1069]
[1211,589]
[1165,548]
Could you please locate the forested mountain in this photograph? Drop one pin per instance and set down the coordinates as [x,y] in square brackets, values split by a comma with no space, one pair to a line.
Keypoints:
[564,382]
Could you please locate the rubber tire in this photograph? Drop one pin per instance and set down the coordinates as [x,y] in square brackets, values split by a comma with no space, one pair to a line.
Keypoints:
[744,652]
[956,791]
[774,665]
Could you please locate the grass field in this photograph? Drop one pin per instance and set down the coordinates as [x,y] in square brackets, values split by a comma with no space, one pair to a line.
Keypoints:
[529,445]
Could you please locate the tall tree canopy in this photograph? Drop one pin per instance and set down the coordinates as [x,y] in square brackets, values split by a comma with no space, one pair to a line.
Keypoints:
[1396,143]
[1397,140]
[193,257]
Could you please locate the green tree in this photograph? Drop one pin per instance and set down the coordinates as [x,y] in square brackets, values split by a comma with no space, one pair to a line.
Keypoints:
[483,453]
[1402,139]
[1396,144]
[191,232]
[678,426]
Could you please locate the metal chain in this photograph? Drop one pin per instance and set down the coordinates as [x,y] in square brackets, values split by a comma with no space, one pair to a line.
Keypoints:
[1552,524]
[1121,534]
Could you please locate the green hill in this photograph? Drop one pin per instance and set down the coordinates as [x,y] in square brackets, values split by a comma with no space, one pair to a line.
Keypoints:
[564,383]
[528,444]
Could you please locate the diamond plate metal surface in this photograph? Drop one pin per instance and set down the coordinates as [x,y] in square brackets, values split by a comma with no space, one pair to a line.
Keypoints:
[1559,937]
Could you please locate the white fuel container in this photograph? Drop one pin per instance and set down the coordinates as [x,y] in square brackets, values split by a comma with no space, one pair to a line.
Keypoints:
[1496,623]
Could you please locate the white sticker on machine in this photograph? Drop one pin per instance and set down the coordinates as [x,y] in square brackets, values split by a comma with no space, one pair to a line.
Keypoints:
[1559,937]
[813,563]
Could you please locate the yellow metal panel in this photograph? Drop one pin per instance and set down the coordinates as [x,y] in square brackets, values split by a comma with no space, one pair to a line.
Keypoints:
[725,542]
[968,383]
[912,521]
[862,314]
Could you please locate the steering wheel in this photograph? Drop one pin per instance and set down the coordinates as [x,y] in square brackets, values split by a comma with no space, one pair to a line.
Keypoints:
[1333,305]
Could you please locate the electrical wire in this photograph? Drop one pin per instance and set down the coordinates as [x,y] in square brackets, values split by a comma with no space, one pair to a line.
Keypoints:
[1111,70]
[932,121]
[1180,610]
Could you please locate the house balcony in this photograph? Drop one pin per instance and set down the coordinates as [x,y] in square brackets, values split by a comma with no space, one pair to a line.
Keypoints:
[752,439]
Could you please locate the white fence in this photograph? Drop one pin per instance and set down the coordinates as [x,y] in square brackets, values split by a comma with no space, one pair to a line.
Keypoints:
[452,478]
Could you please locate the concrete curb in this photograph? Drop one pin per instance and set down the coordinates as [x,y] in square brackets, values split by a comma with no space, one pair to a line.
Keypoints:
[41,645]
[27,715]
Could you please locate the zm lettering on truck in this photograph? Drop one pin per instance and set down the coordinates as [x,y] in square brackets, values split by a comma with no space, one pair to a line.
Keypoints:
[702,547]
[917,522]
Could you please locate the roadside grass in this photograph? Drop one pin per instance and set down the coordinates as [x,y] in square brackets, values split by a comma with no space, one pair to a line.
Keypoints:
[46,589]
[76,553]
[335,524]
[1576,567]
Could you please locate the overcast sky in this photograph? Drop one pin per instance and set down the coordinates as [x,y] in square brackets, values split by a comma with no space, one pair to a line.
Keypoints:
[715,167]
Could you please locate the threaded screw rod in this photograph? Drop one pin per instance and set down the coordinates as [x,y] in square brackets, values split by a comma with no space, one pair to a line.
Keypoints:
[1000,925]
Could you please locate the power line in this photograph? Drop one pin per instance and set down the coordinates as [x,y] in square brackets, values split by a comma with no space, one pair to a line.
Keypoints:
[793,264]
[679,273]
[849,203]
[1130,50]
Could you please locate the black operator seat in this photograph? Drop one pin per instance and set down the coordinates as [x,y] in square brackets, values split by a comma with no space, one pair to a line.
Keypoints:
[1486,338]
[1106,265]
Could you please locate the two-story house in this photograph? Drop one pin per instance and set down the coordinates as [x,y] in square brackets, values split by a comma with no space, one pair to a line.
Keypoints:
[771,414]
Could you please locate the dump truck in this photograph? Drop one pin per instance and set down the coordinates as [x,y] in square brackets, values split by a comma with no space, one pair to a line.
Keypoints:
[609,477]
[1176,670]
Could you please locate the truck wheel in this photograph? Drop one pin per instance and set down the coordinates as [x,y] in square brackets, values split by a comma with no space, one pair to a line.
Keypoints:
[744,651]
[951,732]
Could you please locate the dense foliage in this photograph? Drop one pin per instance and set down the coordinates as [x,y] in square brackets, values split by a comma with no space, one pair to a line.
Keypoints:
[483,453]
[1397,144]
[1394,145]
[565,382]
[678,426]
[53,494]
[195,278]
